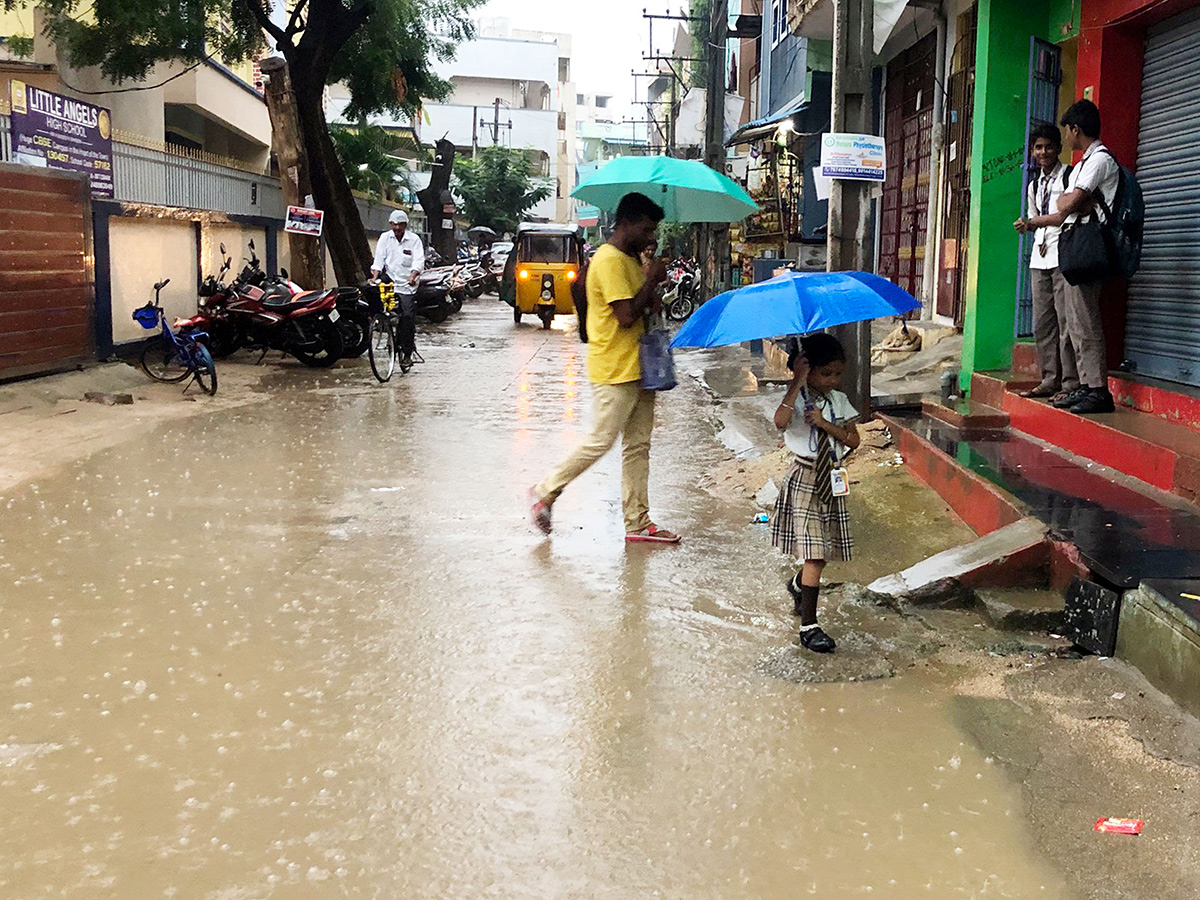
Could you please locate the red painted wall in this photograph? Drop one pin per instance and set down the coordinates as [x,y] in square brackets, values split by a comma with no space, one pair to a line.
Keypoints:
[1111,51]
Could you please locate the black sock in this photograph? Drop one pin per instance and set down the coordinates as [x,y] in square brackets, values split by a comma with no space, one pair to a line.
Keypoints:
[808,604]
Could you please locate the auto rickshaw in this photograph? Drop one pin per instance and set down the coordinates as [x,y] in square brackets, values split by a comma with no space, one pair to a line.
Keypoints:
[538,275]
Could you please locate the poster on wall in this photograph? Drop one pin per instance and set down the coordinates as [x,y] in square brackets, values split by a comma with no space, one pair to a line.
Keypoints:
[855,157]
[302,220]
[56,132]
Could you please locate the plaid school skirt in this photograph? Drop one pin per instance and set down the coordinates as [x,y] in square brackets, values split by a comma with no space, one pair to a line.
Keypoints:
[803,527]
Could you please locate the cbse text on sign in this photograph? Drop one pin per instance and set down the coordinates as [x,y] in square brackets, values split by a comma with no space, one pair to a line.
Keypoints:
[57,132]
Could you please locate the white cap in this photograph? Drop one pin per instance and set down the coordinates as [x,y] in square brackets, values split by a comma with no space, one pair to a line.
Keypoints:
[398,216]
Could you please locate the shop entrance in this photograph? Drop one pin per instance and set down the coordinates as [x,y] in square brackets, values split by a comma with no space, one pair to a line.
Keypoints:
[908,130]
[960,106]
[1162,331]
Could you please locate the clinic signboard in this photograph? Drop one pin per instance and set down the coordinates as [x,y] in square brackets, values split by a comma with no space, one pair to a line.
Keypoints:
[52,131]
[855,157]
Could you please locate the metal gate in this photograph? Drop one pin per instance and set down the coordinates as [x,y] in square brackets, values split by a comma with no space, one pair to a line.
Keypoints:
[45,271]
[908,130]
[1162,331]
[1045,76]
[960,112]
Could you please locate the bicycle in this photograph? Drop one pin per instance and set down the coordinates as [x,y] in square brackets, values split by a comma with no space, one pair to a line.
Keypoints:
[174,357]
[383,348]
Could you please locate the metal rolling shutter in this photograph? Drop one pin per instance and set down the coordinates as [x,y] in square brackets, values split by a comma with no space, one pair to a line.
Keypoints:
[1162,333]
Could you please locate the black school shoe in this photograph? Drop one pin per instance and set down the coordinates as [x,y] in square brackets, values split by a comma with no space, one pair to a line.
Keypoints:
[795,592]
[816,640]
[1096,400]
[1076,396]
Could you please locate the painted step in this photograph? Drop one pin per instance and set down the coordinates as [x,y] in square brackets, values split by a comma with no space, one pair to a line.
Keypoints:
[1157,452]
[1017,554]
[967,414]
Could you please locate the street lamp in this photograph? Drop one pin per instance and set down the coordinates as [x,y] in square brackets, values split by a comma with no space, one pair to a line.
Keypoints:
[366,168]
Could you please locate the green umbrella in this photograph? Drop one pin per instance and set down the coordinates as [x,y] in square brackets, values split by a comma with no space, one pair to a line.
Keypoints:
[688,191]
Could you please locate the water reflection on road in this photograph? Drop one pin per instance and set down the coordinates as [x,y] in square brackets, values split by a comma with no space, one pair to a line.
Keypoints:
[311,649]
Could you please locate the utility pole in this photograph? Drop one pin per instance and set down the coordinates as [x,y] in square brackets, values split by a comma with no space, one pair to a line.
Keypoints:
[308,267]
[849,201]
[474,132]
[496,124]
[714,237]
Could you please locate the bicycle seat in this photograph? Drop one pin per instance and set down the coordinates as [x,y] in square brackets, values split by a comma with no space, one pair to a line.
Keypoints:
[162,284]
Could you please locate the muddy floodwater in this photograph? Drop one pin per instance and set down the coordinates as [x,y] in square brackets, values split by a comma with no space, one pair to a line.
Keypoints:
[310,648]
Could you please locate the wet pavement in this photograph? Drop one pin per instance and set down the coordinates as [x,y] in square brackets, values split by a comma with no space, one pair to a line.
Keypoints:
[1124,532]
[310,648]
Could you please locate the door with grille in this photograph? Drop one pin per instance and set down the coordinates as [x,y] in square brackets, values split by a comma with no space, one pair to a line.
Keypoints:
[908,130]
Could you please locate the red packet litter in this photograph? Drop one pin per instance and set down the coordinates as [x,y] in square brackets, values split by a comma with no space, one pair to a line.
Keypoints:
[1118,826]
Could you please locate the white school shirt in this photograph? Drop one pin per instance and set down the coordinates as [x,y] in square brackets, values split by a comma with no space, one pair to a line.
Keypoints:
[1042,200]
[801,438]
[401,258]
[1097,170]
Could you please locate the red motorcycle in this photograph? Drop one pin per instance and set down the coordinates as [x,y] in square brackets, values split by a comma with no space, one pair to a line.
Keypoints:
[255,312]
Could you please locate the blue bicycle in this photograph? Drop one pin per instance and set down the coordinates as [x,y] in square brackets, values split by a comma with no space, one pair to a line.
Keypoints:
[176,356]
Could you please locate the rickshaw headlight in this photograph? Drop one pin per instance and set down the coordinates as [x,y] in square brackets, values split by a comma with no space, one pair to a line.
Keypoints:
[572,274]
[524,274]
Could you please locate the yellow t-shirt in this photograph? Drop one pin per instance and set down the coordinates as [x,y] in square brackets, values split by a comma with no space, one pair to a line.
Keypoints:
[612,350]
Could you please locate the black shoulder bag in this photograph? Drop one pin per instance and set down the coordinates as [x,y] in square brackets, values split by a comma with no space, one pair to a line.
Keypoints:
[1085,248]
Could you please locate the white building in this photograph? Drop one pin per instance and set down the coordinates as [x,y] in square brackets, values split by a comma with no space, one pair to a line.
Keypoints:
[514,89]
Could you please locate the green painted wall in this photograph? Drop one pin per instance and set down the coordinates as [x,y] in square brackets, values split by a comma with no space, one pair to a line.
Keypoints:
[997,153]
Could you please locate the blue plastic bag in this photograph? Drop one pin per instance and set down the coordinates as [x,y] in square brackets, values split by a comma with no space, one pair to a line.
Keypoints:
[658,365]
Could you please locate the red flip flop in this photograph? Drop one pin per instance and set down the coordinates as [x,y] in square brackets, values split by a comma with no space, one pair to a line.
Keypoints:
[653,535]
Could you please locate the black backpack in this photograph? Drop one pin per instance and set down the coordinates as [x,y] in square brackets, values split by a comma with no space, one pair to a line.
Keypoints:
[1126,222]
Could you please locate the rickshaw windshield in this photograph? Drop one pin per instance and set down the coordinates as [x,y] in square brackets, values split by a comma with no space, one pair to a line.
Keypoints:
[547,249]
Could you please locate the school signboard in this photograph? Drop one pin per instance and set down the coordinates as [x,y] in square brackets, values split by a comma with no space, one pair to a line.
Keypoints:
[57,132]
[856,157]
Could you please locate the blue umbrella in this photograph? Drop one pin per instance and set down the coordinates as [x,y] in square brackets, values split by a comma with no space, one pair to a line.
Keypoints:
[793,303]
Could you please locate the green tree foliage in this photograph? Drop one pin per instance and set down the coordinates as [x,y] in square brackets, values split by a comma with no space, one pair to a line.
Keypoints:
[496,188]
[376,148]
[701,11]
[383,49]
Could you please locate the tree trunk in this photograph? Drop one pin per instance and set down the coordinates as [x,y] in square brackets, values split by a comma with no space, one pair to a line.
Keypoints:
[308,266]
[433,198]
[344,232]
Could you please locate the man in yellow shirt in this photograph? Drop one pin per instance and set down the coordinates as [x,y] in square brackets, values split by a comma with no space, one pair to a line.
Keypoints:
[620,294]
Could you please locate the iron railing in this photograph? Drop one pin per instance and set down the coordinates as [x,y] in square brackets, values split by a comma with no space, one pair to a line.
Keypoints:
[160,174]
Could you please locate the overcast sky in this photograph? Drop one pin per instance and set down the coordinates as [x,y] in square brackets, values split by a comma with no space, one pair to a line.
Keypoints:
[610,37]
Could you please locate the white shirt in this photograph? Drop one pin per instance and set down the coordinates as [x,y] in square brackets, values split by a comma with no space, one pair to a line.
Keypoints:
[801,438]
[1042,200]
[401,258]
[1097,170]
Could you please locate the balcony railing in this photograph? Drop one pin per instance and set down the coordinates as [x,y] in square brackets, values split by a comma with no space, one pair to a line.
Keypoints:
[146,171]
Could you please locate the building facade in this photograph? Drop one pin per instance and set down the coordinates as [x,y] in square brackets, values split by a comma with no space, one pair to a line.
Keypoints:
[513,88]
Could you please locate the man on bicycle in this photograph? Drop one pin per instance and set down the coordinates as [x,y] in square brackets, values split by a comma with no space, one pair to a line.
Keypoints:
[402,256]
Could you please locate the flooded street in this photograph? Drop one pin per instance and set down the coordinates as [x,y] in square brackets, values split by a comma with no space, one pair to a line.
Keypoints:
[311,648]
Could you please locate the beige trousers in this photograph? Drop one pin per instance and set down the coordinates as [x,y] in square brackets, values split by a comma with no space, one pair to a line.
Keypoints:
[1056,353]
[617,410]
[1086,331]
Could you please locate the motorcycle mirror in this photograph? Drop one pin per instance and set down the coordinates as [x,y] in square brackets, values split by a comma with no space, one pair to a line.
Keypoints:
[251,243]
[222,246]
[283,272]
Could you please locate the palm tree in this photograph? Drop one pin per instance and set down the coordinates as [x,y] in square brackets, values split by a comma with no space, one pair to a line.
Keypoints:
[371,157]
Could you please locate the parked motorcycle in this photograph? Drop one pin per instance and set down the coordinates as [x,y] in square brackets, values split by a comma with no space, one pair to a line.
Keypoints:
[683,290]
[265,314]
[354,314]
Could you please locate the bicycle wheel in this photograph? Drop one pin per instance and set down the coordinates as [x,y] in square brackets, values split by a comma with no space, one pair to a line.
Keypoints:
[381,347]
[206,369]
[163,362]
